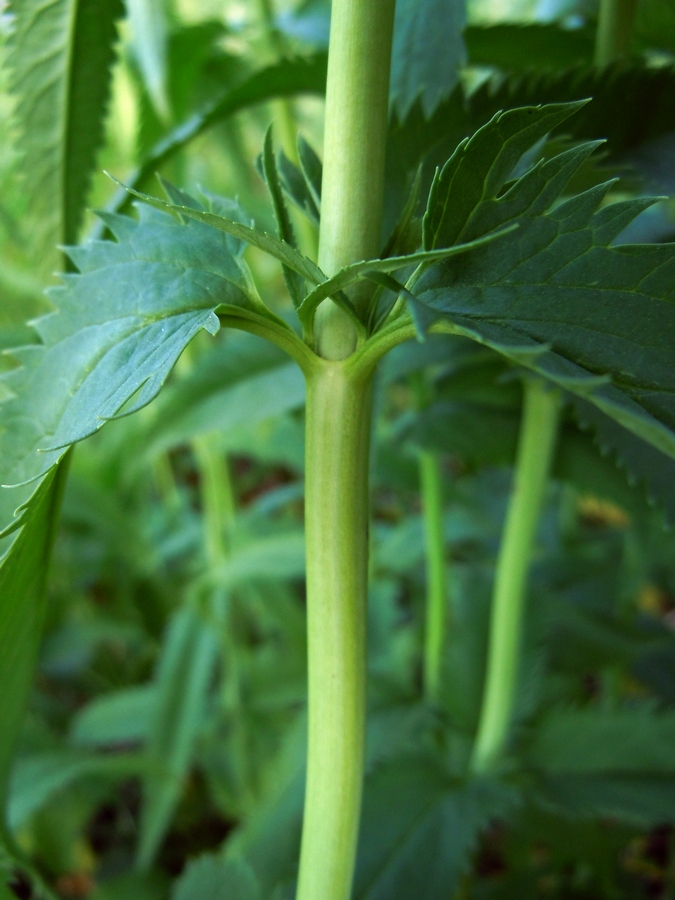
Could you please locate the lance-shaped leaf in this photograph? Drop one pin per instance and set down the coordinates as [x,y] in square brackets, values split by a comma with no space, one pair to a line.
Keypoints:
[60,63]
[118,328]
[555,295]
[284,79]
[23,573]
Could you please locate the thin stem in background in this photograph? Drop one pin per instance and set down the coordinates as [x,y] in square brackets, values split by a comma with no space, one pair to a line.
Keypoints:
[614,36]
[537,441]
[436,614]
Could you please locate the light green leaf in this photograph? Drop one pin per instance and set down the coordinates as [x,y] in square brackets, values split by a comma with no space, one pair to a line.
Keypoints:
[294,282]
[181,686]
[118,329]
[556,296]
[427,53]
[268,243]
[60,64]
[149,46]
[23,573]
[277,557]
[284,79]
[211,877]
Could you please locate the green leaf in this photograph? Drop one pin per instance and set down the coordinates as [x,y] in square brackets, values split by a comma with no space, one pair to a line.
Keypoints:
[268,243]
[275,558]
[555,296]
[521,47]
[294,281]
[312,169]
[419,828]
[60,63]
[641,463]
[427,53]
[637,800]
[36,778]
[359,270]
[120,717]
[211,877]
[23,574]
[149,46]
[181,683]
[296,188]
[299,75]
[118,329]
[592,740]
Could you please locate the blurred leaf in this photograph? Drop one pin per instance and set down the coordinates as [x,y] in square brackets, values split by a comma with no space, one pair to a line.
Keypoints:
[427,53]
[149,46]
[120,717]
[555,296]
[276,557]
[284,79]
[35,779]
[23,573]
[181,686]
[520,47]
[139,885]
[61,59]
[419,828]
[211,877]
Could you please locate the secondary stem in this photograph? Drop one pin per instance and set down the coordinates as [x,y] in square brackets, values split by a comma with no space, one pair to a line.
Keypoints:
[614,37]
[336,524]
[535,451]
[431,484]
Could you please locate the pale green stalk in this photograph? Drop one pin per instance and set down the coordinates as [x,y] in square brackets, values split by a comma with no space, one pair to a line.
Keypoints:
[337,452]
[217,497]
[431,489]
[535,452]
[616,25]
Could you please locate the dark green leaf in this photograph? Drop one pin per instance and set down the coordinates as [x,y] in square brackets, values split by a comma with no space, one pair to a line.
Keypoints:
[555,296]
[23,573]
[427,53]
[520,47]
[295,185]
[61,59]
[211,877]
[418,830]
[312,169]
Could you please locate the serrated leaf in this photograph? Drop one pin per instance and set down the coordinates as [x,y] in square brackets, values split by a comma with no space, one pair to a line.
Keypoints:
[312,169]
[118,329]
[181,685]
[211,877]
[419,827]
[294,281]
[268,243]
[60,64]
[642,801]
[296,188]
[149,46]
[299,75]
[22,585]
[556,296]
[427,52]
[641,463]
[359,270]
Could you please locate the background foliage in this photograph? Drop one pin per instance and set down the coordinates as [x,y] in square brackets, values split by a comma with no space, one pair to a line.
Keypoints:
[162,754]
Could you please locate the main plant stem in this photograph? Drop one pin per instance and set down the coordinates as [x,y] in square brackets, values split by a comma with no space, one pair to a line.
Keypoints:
[535,452]
[337,442]
[614,37]
[431,485]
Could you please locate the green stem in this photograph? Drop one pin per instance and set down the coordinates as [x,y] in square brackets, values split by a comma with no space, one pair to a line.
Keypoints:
[217,498]
[431,484]
[336,523]
[535,451]
[352,192]
[616,25]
